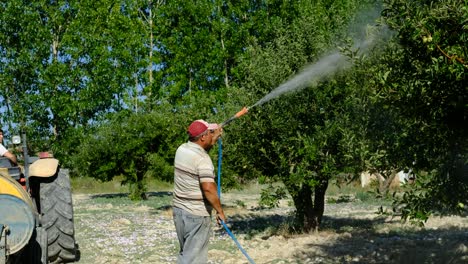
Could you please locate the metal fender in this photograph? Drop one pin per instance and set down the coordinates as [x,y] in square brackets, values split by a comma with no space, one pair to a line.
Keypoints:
[16,215]
[44,168]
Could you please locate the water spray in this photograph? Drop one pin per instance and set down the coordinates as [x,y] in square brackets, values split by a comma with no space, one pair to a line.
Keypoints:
[311,75]
[242,112]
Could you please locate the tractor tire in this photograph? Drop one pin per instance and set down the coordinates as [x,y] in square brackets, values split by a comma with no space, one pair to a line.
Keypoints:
[36,251]
[56,208]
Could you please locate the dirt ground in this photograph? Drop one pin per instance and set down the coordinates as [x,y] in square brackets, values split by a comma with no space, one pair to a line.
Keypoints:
[111,229]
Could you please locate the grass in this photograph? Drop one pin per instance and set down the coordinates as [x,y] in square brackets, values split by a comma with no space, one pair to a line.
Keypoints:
[345,189]
[87,185]
[249,189]
[156,200]
[103,191]
[354,192]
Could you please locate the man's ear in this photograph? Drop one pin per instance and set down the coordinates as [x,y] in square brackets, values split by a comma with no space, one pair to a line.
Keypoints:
[202,138]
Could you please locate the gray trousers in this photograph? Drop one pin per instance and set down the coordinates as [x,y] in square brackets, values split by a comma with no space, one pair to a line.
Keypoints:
[193,232]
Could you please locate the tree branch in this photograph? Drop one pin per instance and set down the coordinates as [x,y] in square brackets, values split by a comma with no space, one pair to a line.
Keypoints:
[454,57]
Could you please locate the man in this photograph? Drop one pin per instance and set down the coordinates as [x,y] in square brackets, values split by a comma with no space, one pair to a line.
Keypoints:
[195,192]
[4,152]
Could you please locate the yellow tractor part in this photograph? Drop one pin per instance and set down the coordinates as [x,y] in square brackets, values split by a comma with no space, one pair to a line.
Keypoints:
[10,186]
[16,212]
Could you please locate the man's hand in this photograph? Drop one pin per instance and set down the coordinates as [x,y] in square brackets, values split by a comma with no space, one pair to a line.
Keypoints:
[209,190]
[220,217]
[218,132]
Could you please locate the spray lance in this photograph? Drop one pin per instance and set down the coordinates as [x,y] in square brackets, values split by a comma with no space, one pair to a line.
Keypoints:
[242,112]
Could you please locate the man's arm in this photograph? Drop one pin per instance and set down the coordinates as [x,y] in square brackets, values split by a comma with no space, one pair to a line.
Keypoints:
[11,157]
[210,192]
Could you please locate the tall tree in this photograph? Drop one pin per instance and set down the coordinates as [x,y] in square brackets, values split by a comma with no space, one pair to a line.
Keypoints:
[145,48]
[66,63]
[21,48]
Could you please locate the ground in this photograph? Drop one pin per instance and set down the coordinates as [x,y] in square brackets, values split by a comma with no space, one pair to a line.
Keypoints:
[112,229]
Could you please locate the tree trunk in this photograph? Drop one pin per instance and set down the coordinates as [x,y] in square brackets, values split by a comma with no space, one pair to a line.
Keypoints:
[140,172]
[137,186]
[309,211]
[303,202]
[319,203]
[384,185]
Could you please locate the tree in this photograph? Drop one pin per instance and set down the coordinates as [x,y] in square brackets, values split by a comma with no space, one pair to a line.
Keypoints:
[20,49]
[64,64]
[305,139]
[402,105]
[202,45]
[137,145]
[413,106]
[426,82]
[134,145]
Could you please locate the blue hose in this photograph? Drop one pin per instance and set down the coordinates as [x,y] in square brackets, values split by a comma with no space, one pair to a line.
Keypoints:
[220,158]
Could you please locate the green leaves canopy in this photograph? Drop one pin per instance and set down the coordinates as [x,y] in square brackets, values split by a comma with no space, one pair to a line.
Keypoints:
[64,64]
[426,83]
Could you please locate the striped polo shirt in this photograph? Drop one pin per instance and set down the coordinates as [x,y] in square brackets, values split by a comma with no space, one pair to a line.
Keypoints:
[192,165]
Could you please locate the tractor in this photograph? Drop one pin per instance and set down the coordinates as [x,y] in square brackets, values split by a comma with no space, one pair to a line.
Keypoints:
[36,211]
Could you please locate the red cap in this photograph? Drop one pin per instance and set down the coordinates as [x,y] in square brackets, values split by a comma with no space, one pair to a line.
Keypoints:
[199,126]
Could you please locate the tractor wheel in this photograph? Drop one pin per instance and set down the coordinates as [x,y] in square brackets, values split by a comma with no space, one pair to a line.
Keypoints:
[56,208]
[35,251]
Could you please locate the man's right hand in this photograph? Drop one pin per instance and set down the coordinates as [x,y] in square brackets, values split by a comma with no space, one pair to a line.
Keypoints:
[220,217]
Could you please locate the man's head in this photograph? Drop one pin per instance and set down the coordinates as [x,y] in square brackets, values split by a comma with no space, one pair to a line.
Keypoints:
[204,133]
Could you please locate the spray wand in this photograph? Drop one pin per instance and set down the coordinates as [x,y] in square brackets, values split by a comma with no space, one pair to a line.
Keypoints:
[242,112]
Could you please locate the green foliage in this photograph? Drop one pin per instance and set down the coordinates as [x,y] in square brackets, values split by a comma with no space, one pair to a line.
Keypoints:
[303,139]
[426,87]
[200,46]
[64,65]
[413,108]
[270,196]
[133,145]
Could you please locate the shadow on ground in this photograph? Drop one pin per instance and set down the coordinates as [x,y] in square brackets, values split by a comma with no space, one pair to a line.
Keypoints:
[360,241]
[351,240]
[125,195]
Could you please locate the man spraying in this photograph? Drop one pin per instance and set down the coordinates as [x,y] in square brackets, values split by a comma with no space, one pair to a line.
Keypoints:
[195,192]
